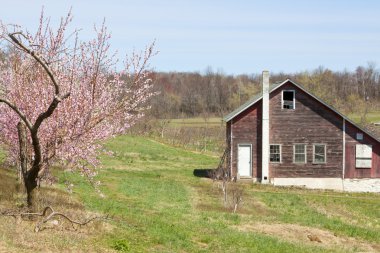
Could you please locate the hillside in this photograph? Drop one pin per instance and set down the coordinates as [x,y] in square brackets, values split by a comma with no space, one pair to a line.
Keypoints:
[156,204]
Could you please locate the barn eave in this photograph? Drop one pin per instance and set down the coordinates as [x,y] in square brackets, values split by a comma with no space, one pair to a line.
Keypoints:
[274,87]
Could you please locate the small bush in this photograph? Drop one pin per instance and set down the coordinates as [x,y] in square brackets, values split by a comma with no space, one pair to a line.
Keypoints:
[121,245]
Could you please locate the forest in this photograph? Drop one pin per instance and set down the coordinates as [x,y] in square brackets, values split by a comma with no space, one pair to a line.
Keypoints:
[214,93]
[189,107]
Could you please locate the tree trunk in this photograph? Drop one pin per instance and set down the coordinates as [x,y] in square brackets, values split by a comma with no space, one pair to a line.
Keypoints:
[23,148]
[30,185]
[29,176]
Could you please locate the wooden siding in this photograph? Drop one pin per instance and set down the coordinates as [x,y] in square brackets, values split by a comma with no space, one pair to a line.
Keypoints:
[310,123]
[350,167]
[246,129]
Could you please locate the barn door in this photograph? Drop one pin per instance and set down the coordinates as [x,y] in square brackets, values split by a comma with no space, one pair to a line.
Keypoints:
[244,160]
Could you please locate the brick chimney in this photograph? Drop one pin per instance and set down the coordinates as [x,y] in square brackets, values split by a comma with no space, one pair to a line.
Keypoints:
[265,130]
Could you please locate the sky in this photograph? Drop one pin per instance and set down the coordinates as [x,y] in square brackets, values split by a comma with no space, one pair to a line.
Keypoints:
[236,37]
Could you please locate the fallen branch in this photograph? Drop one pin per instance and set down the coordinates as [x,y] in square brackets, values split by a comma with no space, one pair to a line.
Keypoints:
[48,213]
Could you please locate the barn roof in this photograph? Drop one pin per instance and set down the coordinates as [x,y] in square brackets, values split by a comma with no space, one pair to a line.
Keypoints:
[274,87]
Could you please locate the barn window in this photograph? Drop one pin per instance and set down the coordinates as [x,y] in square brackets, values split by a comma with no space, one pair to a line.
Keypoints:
[299,153]
[363,156]
[288,101]
[359,136]
[275,153]
[319,153]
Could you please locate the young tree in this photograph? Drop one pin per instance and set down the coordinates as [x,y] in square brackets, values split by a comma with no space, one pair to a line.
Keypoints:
[65,97]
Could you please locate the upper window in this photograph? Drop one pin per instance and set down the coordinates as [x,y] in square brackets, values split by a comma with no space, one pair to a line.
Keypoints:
[288,101]
[299,153]
[275,153]
[319,153]
[359,136]
[363,156]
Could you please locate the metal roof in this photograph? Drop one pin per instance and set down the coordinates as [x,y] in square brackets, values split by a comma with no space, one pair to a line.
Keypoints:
[251,102]
[273,87]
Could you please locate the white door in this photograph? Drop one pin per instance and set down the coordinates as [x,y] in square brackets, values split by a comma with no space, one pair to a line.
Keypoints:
[244,160]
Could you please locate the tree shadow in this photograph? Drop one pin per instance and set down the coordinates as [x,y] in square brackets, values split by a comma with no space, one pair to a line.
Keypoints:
[206,173]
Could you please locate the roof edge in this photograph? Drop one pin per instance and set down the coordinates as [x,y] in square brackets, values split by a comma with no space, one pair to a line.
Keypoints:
[257,98]
[252,101]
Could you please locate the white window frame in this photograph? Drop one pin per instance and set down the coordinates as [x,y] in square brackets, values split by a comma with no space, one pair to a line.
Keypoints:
[274,144]
[359,136]
[282,99]
[363,162]
[294,153]
[325,154]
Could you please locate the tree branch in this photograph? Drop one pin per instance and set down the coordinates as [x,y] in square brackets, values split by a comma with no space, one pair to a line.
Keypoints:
[36,57]
[18,111]
[49,215]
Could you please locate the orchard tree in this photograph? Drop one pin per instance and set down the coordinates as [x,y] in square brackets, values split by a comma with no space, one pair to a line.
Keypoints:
[60,97]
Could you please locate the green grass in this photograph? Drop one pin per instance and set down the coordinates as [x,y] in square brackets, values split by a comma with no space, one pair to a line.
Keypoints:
[372,117]
[197,122]
[159,206]
[156,204]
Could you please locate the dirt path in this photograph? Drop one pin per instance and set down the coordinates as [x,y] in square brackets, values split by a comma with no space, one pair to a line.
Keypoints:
[311,236]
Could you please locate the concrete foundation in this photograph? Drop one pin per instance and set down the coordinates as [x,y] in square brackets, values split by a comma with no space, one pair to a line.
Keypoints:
[311,183]
[362,185]
[338,184]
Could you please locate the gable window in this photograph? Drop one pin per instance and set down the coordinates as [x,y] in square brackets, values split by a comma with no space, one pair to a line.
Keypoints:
[359,136]
[299,153]
[288,99]
[319,153]
[275,153]
[363,156]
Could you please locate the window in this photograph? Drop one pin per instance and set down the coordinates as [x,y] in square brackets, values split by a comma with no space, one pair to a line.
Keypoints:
[288,101]
[299,153]
[363,156]
[359,136]
[275,153]
[319,153]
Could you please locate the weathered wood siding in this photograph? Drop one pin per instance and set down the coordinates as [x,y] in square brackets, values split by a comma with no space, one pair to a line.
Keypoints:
[350,167]
[309,123]
[246,129]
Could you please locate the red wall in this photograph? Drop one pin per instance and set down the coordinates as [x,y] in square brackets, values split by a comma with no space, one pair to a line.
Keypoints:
[310,123]
[350,170]
[246,129]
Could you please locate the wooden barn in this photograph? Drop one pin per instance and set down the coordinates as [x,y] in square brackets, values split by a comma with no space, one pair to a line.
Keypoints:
[287,136]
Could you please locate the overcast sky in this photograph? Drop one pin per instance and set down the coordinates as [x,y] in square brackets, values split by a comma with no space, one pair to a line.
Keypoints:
[234,36]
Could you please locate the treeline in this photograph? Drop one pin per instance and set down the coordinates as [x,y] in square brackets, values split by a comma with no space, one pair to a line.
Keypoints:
[215,93]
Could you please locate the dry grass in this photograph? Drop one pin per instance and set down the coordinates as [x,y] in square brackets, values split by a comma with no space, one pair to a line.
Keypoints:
[58,235]
[301,234]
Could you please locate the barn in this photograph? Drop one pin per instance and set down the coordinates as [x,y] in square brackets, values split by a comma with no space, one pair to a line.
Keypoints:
[286,136]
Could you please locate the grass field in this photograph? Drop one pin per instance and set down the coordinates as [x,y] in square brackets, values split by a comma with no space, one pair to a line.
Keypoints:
[197,122]
[157,205]
[372,117]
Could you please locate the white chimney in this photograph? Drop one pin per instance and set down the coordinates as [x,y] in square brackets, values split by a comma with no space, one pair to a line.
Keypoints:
[265,130]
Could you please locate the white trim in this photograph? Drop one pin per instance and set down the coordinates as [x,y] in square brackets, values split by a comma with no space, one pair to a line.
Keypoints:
[319,144]
[280,153]
[282,99]
[231,149]
[344,149]
[294,153]
[250,160]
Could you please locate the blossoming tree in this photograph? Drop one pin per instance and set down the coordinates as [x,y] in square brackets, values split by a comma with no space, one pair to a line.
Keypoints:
[60,97]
